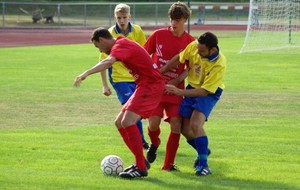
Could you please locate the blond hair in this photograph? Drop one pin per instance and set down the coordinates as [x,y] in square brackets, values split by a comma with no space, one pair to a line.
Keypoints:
[122,8]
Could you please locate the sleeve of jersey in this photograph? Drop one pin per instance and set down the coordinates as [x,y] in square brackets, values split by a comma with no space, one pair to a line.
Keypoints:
[214,79]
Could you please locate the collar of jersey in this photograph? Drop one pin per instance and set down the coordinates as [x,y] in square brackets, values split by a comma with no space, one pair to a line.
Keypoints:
[118,30]
[214,56]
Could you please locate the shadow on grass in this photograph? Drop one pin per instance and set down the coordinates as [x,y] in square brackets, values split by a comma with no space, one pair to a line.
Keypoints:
[216,181]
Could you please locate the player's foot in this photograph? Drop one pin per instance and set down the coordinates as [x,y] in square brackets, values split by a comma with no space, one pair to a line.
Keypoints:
[197,159]
[133,166]
[173,168]
[202,171]
[151,153]
[133,173]
[145,146]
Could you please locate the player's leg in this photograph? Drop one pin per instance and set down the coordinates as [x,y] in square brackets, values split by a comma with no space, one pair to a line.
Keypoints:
[201,141]
[129,124]
[122,131]
[173,141]
[140,127]
[124,91]
[154,131]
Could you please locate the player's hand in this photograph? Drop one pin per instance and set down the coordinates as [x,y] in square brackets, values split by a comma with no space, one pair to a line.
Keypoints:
[106,91]
[172,89]
[174,82]
[78,79]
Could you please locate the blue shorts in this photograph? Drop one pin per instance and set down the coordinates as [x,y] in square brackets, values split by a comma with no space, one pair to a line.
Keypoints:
[203,104]
[124,90]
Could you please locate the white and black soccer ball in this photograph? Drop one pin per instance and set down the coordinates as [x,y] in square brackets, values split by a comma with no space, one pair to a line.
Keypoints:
[111,165]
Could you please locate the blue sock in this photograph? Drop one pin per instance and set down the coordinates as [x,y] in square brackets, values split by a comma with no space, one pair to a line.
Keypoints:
[140,126]
[192,143]
[202,150]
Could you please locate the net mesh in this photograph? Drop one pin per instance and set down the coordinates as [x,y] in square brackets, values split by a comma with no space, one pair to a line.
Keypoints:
[272,24]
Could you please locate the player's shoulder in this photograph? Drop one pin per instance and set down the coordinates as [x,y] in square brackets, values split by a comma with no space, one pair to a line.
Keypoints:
[135,26]
[189,36]
[112,28]
[223,59]
[193,44]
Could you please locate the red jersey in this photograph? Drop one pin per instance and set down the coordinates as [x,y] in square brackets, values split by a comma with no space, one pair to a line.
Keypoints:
[163,45]
[136,60]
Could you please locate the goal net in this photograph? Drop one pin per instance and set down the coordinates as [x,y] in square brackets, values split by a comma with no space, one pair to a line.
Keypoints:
[272,24]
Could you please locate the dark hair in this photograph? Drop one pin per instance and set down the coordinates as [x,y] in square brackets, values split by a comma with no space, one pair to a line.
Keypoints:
[101,32]
[209,39]
[179,10]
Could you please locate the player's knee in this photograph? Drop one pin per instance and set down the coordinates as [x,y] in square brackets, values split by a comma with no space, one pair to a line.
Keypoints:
[118,123]
[153,127]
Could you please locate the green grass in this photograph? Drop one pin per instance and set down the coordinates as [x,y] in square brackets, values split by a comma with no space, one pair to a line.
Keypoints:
[53,136]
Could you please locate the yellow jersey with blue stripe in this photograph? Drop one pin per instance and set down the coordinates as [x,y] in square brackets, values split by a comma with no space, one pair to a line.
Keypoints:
[118,72]
[203,73]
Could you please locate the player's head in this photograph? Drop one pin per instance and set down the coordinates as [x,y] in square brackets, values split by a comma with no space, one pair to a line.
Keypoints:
[102,38]
[178,14]
[122,15]
[179,10]
[207,44]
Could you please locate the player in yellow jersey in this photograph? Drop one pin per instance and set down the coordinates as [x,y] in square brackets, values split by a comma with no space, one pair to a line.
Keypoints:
[119,77]
[206,71]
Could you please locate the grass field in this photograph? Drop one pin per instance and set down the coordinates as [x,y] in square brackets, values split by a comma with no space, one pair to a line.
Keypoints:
[54,136]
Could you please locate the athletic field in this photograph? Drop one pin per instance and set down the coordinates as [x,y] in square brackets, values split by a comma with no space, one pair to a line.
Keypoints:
[54,136]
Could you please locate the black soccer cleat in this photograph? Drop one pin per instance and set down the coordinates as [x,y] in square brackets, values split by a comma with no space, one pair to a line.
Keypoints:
[151,153]
[133,166]
[133,173]
[145,146]
[202,171]
[173,168]
[197,160]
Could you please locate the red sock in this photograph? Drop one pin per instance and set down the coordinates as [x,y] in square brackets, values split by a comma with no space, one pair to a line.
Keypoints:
[124,135]
[135,139]
[154,137]
[171,149]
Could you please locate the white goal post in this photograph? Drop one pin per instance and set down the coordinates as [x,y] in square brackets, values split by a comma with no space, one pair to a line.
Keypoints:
[272,24]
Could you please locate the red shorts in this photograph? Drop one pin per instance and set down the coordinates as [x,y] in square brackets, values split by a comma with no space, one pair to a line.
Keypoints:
[145,98]
[171,110]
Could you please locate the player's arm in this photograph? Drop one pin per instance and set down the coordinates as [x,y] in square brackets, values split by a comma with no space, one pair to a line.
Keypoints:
[105,88]
[183,92]
[180,78]
[101,66]
[172,64]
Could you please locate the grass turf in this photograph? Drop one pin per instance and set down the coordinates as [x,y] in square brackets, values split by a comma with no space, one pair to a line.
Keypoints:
[54,136]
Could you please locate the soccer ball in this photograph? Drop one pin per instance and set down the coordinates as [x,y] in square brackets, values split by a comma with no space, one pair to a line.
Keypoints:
[111,165]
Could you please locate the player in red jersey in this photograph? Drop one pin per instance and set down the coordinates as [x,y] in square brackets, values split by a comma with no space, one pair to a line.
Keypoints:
[149,90]
[163,44]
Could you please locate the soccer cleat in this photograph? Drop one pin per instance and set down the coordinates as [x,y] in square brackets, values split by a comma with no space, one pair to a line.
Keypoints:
[145,146]
[197,160]
[173,168]
[202,171]
[151,153]
[133,166]
[133,173]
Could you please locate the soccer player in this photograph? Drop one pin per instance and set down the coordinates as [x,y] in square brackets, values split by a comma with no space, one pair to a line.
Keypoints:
[119,77]
[163,44]
[146,97]
[207,67]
